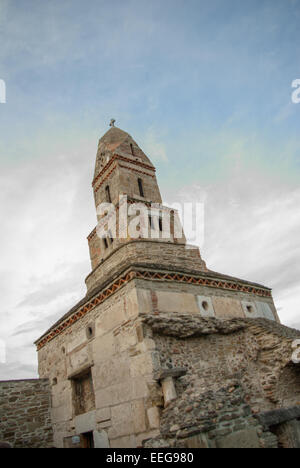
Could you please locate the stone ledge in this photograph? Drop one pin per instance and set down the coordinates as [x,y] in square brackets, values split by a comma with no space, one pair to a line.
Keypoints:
[188,326]
[175,372]
[279,416]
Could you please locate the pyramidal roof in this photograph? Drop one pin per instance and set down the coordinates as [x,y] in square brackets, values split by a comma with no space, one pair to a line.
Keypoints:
[116,141]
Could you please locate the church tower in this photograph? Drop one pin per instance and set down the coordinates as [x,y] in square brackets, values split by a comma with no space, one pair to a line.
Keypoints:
[108,377]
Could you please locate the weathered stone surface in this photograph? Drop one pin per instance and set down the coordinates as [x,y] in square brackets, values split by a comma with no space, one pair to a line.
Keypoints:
[153,417]
[85,422]
[247,439]
[226,307]
[187,326]
[101,439]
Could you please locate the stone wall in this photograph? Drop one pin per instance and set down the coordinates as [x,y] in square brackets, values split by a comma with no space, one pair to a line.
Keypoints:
[258,351]
[25,417]
[212,419]
[146,252]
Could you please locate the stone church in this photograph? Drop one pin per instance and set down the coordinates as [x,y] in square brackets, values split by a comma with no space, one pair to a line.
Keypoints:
[162,351]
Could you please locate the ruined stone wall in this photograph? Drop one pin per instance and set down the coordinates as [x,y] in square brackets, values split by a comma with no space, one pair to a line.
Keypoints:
[25,413]
[254,353]
[234,371]
[212,419]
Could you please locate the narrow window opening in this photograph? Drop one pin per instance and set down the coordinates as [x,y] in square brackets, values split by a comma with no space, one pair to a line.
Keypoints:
[150,221]
[141,190]
[107,194]
[249,309]
[54,381]
[160,223]
[205,305]
[90,332]
[105,243]
[131,148]
[110,236]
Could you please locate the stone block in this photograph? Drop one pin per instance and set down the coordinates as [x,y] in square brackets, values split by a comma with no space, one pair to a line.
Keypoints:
[132,308]
[250,309]
[85,422]
[61,393]
[77,340]
[264,310]
[144,301]
[139,416]
[103,414]
[225,307]
[111,318]
[114,395]
[168,301]
[62,413]
[198,441]
[206,307]
[123,442]
[100,439]
[141,364]
[122,421]
[247,438]
[153,416]
[111,372]
[103,347]
[78,360]
[125,339]
[169,390]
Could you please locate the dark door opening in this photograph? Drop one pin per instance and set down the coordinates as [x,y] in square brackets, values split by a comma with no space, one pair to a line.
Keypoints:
[88,440]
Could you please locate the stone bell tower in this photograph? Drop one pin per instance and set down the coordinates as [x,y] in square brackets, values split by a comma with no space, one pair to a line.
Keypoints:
[109,381]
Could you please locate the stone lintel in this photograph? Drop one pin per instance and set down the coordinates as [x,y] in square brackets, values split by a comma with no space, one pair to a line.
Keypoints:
[80,371]
[176,372]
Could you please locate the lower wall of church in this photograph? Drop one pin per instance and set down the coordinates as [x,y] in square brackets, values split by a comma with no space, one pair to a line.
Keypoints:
[102,368]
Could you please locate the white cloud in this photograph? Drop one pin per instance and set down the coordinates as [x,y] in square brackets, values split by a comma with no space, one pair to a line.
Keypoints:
[43,246]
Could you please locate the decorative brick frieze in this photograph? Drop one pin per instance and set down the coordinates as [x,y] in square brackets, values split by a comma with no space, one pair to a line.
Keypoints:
[121,158]
[152,276]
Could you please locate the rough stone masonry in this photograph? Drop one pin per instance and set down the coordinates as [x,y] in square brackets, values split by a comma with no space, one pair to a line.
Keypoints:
[25,413]
[162,351]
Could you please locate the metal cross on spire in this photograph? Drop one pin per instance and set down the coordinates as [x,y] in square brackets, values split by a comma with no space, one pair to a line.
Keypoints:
[112,123]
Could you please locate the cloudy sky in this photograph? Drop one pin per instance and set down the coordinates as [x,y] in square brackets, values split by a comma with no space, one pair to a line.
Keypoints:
[203,86]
